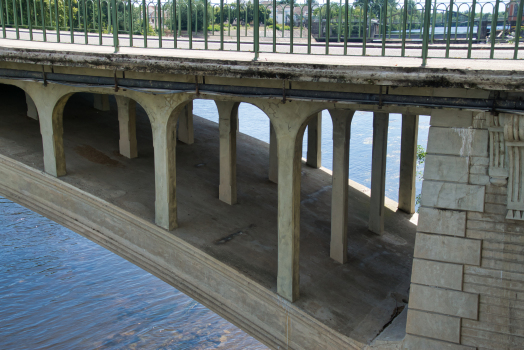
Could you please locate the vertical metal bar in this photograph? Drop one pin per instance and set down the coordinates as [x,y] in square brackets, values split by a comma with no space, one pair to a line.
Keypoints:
[15,16]
[221,24]
[159,23]
[450,19]
[518,30]
[471,25]
[29,22]
[275,24]
[86,38]
[238,24]
[328,19]
[205,23]
[256,10]
[291,24]
[175,28]
[130,23]
[100,22]
[433,22]
[310,21]
[404,27]
[57,22]
[346,27]
[384,21]
[365,29]
[115,26]
[425,40]
[71,29]
[2,21]
[42,12]
[493,33]
[189,24]
[145,23]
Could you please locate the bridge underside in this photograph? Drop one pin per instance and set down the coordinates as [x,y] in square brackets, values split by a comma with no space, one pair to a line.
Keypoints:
[224,256]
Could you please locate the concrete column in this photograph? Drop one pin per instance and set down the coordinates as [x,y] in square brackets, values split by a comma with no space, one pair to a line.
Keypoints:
[101,102]
[314,141]
[408,163]
[273,155]
[52,130]
[31,107]
[164,142]
[127,124]
[339,197]
[185,125]
[289,171]
[227,125]
[378,172]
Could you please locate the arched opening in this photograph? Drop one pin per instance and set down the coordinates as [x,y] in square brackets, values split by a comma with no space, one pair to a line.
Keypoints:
[20,137]
[99,147]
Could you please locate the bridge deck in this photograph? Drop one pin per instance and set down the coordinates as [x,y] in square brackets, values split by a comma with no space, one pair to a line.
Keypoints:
[356,299]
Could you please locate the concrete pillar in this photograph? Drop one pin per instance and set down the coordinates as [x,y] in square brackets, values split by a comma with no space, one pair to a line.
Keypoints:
[185,125]
[127,125]
[408,163]
[164,142]
[227,125]
[289,172]
[339,197]
[378,172]
[31,107]
[273,155]
[101,102]
[314,141]
[52,130]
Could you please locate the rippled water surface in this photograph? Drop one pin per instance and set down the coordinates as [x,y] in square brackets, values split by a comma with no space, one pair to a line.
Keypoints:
[59,290]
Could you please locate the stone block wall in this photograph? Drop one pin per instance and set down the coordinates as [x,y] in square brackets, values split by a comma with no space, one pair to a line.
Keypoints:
[467,284]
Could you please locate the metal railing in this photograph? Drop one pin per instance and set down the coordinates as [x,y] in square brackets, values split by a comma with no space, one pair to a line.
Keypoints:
[425,29]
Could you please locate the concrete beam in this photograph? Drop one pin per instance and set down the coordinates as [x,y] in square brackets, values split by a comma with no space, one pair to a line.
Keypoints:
[32,112]
[185,125]
[314,142]
[339,197]
[273,155]
[408,163]
[227,125]
[127,126]
[378,172]
[101,102]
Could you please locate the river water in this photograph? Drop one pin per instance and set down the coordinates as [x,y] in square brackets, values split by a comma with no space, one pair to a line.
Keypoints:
[59,290]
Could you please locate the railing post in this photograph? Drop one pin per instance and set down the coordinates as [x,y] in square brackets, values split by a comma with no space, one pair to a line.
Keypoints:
[71,29]
[425,42]
[346,27]
[29,22]
[159,23]
[328,18]
[365,29]
[404,27]
[2,18]
[275,24]
[189,23]
[256,28]
[471,25]
[221,24]
[517,30]
[115,26]
[206,23]
[450,21]
[174,24]
[384,21]
[15,15]
[493,33]
[310,22]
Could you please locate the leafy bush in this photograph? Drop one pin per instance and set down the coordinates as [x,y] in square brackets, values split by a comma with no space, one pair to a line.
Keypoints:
[216,27]
[279,27]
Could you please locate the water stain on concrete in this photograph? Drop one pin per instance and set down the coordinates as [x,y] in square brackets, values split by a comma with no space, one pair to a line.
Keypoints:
[95,156]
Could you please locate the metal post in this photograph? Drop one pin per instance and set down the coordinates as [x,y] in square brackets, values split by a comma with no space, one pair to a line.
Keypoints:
[450,19]
[115,26]
[256,28]
[518,29]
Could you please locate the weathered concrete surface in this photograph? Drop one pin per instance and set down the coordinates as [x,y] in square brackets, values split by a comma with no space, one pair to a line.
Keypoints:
[439,75]
[225,256]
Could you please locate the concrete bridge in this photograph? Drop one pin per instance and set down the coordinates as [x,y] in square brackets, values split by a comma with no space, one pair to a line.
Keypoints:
[290,252]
